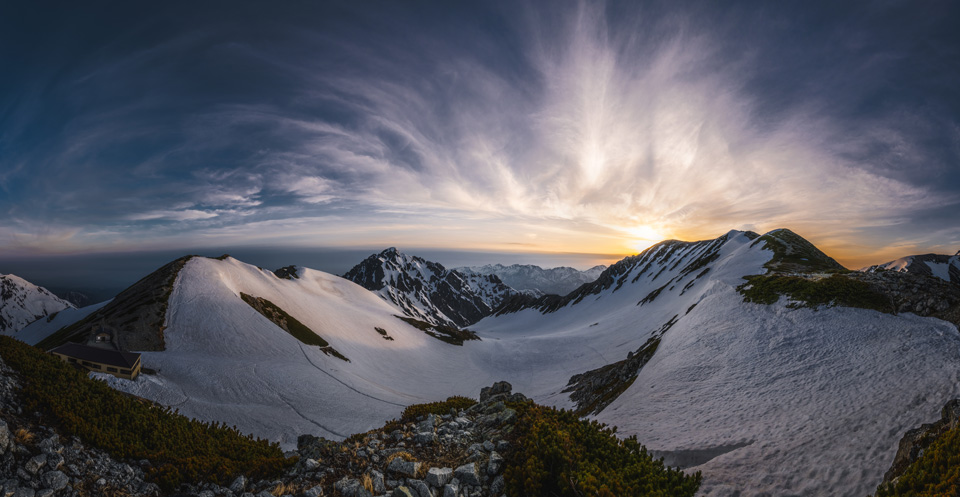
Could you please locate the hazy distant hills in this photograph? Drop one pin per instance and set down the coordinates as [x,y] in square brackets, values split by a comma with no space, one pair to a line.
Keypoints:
[755,359]
[557,281]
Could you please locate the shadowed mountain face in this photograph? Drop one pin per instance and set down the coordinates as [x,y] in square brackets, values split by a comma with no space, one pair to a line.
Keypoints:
[429,292]
[133,320]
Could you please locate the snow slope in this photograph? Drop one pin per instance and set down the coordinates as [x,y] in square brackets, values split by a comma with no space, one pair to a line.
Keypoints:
[764,400]
[42,328]
[526,277]
[22,303]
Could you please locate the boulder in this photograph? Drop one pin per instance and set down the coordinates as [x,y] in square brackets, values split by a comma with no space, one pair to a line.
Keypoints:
[4,436]
[239,484]
[347,487]
[55,480]
[495,464]
[379,487]
[403,492]
[498,388]
[35,463]
[451,490]
[468,475]
[438,477]
[426,438]
[405,468]
[497,486]
[420,487]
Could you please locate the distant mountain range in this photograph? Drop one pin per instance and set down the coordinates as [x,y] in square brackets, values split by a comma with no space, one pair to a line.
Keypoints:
[537,280]
[755,359]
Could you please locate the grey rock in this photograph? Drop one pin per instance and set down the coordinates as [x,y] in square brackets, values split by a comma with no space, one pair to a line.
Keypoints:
[468,475]
[54,461]
[379,486]
[426,438]
[405,468]
[25,492]
[420,487]
[500,387]
[311,464]
[239,485]
[206,493]
[51,443]
[403,492]
[347,487]
[47,492]
[488,446]
[35,463]
[497,486]
[495,464]
[4,437]
[438,477]
[451,490]
[55,480]
[427,424]
[316,491]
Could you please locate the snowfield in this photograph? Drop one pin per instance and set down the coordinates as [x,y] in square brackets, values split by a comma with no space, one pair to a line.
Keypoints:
[764,400]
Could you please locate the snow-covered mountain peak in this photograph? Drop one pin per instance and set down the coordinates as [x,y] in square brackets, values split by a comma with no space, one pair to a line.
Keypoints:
[427,291]
[22,302]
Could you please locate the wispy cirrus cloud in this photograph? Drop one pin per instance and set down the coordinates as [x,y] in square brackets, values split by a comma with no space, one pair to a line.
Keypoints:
[565,125]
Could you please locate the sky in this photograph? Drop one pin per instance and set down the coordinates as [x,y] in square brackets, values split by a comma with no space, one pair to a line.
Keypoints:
[519,128]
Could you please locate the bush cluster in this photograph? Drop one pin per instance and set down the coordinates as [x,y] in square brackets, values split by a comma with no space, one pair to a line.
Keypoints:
[412,413]
[179,449]
[833,290]
[935,473]
[558,454]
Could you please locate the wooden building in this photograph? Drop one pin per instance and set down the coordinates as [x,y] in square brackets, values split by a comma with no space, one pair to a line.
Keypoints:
[120,364]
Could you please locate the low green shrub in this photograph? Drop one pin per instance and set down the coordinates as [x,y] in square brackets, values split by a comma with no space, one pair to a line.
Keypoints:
[558,454]
[180,449]
[935,473]
[412,413]
[833,290]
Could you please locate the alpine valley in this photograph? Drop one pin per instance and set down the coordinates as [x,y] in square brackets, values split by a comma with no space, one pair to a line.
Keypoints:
[758,361]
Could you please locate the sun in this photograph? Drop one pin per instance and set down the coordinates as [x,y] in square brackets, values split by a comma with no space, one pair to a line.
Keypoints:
[643,237]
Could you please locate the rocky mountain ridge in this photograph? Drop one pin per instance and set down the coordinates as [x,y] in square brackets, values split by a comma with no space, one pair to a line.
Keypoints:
[429,292]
